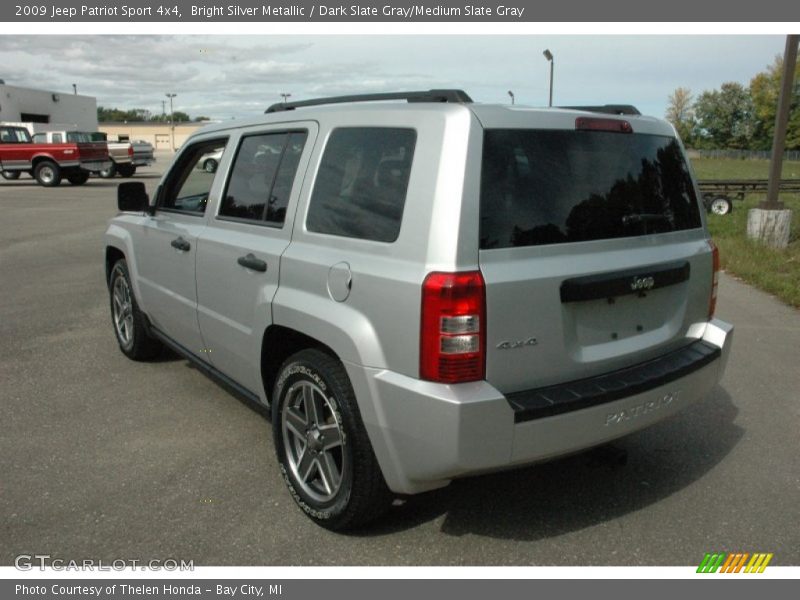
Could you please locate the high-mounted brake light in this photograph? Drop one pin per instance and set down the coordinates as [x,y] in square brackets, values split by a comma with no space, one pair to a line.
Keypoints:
[453,326]
[712,302]
[595,124]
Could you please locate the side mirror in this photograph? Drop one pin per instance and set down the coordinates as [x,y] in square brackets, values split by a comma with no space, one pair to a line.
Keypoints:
[132,197]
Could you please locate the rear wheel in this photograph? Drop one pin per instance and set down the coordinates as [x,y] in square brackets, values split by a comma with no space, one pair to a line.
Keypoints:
[10,175]
[109,172]
[721,206]
[323,450]
[78,178]
[47,173]
[129,323]
[126,170]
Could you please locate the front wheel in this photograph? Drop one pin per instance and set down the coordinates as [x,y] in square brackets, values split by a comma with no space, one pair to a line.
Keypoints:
[47,173]
[323,450]
[129,323]
[78,178]
[10,175]
[109,172]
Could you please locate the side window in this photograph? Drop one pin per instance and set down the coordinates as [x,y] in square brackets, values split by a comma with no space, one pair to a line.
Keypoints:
[191,177]
[279,198]
[360,190]
[262,176]
[40,138]
[57,139]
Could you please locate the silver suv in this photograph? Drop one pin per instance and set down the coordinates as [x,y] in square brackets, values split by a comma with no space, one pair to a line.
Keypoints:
[427,288]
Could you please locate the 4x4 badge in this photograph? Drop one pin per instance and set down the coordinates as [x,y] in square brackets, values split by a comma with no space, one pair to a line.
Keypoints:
[531,341]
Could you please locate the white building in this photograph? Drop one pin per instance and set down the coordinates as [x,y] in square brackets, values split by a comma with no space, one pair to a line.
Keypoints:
[45,109]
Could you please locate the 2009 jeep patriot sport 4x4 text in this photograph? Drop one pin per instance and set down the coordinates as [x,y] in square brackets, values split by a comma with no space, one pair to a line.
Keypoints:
[427,289]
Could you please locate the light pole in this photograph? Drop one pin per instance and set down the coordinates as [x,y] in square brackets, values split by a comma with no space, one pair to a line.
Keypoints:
[549,56]
[285,97]
[510,93]
[75,88]
[171,120]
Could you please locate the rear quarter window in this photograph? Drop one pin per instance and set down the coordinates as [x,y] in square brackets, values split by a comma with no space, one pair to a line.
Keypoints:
[558,186]
[361,185]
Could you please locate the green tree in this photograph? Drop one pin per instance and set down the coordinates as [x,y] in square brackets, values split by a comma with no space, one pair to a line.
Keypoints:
[724,117]
[764,89]
[681,114]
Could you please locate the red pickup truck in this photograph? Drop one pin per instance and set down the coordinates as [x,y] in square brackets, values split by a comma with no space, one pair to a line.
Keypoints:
[48,163]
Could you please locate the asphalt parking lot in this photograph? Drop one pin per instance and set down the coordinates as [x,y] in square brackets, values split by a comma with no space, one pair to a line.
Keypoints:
[101,457]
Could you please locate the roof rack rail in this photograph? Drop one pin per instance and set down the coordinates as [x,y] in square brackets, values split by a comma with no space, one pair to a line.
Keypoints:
[608,109]
[456,96]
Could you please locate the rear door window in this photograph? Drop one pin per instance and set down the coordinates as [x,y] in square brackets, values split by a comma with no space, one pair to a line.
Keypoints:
[360,190]
[557,186]
[262,177]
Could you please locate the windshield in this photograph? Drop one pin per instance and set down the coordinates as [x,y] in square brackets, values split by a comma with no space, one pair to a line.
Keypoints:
[557,186]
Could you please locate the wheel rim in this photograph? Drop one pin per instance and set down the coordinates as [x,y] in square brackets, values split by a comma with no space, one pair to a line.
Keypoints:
[312,437]
[47,174]
[122,311]
[719,207]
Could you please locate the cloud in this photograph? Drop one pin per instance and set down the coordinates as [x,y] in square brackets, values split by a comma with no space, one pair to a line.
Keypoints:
[225,76]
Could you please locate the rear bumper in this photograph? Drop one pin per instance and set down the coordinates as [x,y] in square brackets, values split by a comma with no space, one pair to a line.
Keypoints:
[95,165]
[143,161]
[425,434]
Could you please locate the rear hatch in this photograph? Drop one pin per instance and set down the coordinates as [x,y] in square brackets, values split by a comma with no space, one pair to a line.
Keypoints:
[592,249]
[92,151]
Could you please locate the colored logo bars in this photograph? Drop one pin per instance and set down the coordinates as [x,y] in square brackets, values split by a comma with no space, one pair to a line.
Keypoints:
[734,562]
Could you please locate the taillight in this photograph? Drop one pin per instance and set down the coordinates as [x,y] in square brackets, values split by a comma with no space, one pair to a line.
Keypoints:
[130,150]
[453,327]
[712,302]
[595,124]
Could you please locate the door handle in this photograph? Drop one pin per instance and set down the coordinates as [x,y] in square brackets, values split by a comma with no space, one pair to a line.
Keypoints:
[253,263]
[181,244]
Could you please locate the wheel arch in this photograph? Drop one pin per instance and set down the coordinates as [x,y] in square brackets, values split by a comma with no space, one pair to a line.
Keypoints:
[279,343]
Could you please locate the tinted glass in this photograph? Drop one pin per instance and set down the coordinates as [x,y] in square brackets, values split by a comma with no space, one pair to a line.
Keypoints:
[361,185]
[57,138]
[262,177]
[279,198]
[253,176]
[191,178]
[549,187]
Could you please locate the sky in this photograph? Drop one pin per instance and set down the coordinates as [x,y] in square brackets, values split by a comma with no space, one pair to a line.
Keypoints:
[224,77]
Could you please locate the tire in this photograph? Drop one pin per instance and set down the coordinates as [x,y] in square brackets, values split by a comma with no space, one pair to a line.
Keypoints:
[339,485]
[210,165]
[721,206]
[78,178]
[10,175]
[109,172]
[47,173]
[126,170]
[129,323]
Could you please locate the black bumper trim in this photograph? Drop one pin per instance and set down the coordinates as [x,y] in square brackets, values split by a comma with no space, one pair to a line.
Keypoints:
[583,393]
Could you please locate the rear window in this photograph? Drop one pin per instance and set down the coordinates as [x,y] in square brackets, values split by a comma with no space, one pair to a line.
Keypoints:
[556,186]
[361,186]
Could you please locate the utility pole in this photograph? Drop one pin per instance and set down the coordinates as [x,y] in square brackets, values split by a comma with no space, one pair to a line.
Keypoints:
[163,108]
[75,88]
[770,223]
[172,120]
[285,97]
